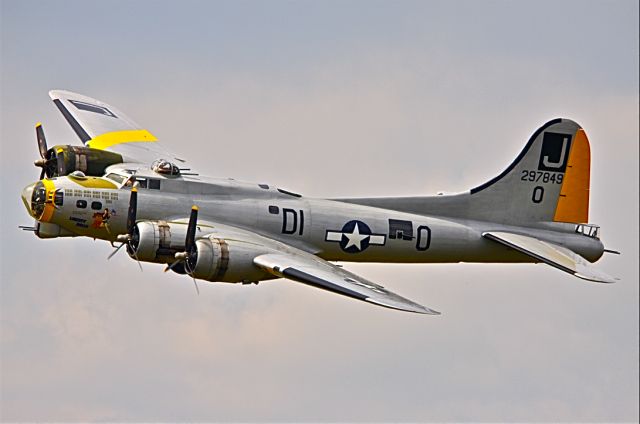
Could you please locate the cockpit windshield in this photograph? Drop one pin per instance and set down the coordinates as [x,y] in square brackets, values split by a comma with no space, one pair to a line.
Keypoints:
[588,230]
[117,178]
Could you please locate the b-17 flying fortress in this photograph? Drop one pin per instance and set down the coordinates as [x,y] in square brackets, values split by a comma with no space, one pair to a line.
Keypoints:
[122,186]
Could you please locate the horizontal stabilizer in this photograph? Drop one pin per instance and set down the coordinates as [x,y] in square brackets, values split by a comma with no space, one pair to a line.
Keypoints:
[551,254]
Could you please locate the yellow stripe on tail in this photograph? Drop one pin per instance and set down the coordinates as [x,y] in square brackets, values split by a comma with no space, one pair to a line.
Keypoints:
[573,203]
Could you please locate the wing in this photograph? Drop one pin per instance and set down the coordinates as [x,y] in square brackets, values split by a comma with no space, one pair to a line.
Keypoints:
[551,254]
[311,270]
[284,261]
[102,126]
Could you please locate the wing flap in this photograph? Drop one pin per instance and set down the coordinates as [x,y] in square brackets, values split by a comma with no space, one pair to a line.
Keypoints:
[551,254]
[316,272]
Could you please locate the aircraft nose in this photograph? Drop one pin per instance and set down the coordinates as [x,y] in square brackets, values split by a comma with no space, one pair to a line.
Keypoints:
[27,195]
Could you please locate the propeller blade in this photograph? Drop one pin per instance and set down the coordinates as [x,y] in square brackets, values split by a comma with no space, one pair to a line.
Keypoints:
[42,141]
[190,240]
[133,251]
[189,247]
[131,213]
[127,239]
[42,173]
[115,251]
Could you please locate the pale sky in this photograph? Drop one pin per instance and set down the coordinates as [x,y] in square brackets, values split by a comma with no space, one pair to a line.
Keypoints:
[330,99]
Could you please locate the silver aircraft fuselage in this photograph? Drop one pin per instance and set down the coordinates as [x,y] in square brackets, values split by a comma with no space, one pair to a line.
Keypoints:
[313,225]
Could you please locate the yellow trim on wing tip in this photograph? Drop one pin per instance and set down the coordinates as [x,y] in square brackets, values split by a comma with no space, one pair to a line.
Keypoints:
[104,141]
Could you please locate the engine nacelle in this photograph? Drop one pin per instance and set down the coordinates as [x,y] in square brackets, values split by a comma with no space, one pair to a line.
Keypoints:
[158,241]
[90,161]
[228,261]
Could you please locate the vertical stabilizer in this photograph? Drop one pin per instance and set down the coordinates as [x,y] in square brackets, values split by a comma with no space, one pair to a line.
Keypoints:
[548,181]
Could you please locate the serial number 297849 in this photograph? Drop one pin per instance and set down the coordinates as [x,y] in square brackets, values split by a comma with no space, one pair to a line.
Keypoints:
[540,176]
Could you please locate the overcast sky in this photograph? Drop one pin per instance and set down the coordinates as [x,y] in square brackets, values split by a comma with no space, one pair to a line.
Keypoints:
[328,99]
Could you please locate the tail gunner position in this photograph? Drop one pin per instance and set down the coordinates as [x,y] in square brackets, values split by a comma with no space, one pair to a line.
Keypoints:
[121,186]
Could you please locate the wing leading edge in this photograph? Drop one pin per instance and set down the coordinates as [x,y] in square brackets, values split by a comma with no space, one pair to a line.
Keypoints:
[551,254]
[311,270]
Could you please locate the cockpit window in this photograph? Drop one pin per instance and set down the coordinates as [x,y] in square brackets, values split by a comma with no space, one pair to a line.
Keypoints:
[139,182]
[117,178]
[154,184]
[148,183]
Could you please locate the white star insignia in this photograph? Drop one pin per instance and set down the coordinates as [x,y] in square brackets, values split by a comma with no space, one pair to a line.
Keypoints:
[355,238]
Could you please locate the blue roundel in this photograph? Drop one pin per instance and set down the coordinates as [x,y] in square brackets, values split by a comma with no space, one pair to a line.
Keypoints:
[355,236]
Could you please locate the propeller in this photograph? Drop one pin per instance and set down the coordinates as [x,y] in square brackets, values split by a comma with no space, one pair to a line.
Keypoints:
[190,254]
[46,162]
[130,239]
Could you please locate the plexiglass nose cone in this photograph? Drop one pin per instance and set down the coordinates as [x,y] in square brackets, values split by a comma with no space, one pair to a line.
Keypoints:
[27,194]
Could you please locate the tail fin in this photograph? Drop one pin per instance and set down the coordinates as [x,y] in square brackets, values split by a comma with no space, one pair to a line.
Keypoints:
[548,181]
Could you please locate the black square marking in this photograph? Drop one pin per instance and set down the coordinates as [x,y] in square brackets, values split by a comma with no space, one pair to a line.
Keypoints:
[554,154]
[400,229]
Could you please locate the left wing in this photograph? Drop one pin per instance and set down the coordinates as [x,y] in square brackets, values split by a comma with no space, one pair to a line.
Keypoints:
[102,126]
[551,254]
[284,261]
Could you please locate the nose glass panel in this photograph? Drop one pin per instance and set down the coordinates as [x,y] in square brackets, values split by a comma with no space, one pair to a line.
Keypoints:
[38,199]
[27,193]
